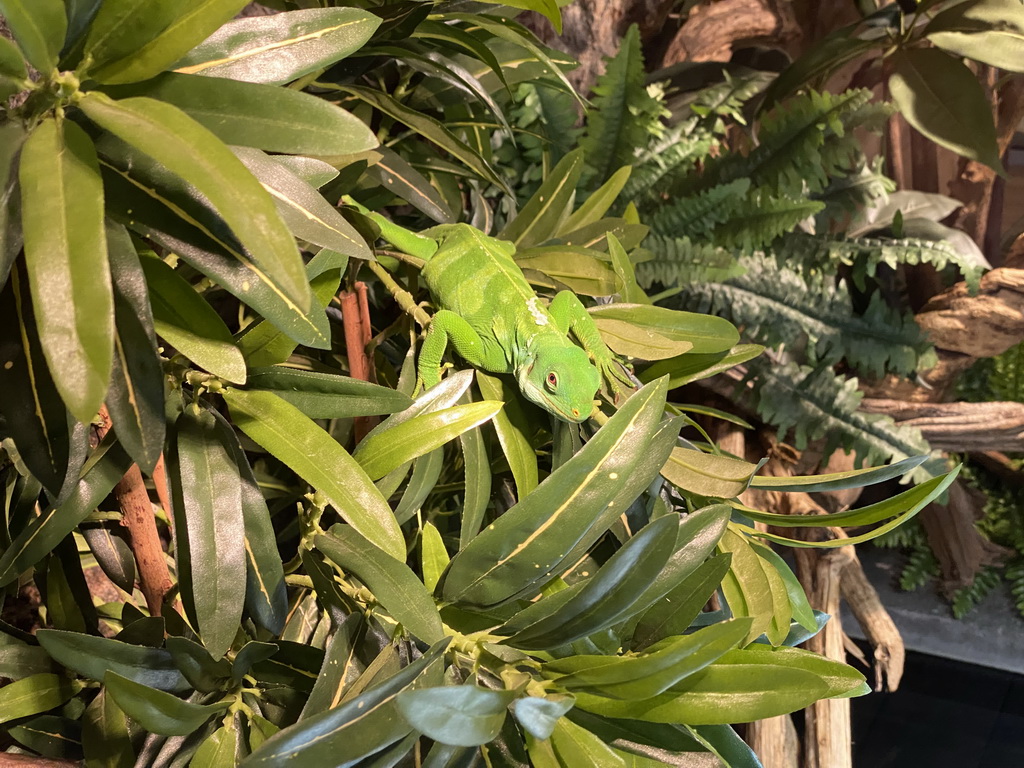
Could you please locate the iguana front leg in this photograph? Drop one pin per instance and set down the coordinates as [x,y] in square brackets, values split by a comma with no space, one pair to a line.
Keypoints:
[569,314]
[447,326]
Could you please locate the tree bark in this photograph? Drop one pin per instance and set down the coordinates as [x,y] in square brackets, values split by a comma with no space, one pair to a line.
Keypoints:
[990,426]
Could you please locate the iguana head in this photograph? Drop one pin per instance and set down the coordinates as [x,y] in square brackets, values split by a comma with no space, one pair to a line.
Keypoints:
[562,380]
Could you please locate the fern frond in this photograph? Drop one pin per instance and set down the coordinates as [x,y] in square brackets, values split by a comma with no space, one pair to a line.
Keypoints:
[811,252]
[1007,379]
[679,261]
[921,567]
[758,219]
[779,306]
[666,160]
[815,403]
[967,598]
[1015,579]
[624,114]
[697,216]
[864,186]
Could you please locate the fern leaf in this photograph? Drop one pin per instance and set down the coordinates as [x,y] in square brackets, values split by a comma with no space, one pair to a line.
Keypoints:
[920,568]
[698,215]
[757,220]
[864,186]
[1007,380]
[815,403]
[967,598]
[667,160]
[779,306]
[624,113]
[678,260]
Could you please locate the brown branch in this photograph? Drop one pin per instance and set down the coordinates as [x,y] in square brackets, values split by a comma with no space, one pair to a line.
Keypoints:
[713,31]
[997,426]
[144,539]
[356,318]
[31,761]
[879,628]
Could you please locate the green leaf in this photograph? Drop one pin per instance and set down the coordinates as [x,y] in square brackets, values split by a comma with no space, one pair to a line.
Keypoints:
[388,449]
[576,503]
[152,54]
[676,610]
[148,199]
[546,8]
[251,114]
[105,739]
[569,265]
[656,670]
[12,137]
[400,178]
[477,483]
[136,396]
[218,751]
[991,31]
[19,659]
[39,27]
[13,74]
[393,584]
[212,500]
[46,530]
[279,48]
[197,665]
[303,209]
[838,481]
[690,367]
[459,715]
[319,460]
[511,424]
[751,591]
[942,98]
[34,694]
[434,556]
[340,669]
[841,679]
[93,657]
[190,151]
[357,728]
[66,258]
[634,342]
[34,414]
[575,745]
[538,716]
[327,395]
[708,474]
[189,324]
[900,508]
[707,333]
[598,203]
[609,594]
[801,609]
[544,212]
[155,710]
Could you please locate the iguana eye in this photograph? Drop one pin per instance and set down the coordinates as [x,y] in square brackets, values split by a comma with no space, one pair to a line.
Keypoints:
[552,379]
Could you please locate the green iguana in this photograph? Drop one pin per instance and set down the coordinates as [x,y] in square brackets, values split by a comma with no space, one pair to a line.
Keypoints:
[494,320]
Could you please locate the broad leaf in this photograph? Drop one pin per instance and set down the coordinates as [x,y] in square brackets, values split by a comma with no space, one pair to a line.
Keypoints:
[155,710]
[327,395]
[460,715]
[39,27]
[34,694]
[93,657]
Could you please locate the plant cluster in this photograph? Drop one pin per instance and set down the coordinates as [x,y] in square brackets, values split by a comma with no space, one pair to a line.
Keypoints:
[460,580]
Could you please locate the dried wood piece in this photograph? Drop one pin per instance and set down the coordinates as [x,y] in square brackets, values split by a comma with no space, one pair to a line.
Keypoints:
[984,325]
[775,742]
[995,426]
[879,628]
[713,31]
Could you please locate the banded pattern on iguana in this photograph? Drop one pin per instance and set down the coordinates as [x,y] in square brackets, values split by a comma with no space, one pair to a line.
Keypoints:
[494,321]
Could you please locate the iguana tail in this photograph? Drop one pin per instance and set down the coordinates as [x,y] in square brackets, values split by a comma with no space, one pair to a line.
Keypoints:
[409,242]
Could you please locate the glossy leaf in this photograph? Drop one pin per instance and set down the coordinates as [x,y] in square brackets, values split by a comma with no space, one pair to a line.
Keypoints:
[634,342]
[189,24]
[707,333]
[991,31]
[34,694]
[326,395]
[318,459]
[197,665]
[212,510]
[687,368]
[597,204]
[511,424]
[136,396]
[303,209]
[800,608]
[39,27]
[708,474]
[189,324]
[656,670]
[540,217]
[539,715]
[93,657]
[12,137]
[19,659]
[33,410]
[838,481]
[279,48]
[394,173]
[358,727]
[66,259]
[575,504]
[393,583]
[105,739]
[219,750]
[155,710]
[13,73]
[190,151]
[942,98]
[148,199]
[609,594]
[386,450]
[575,745]
[45,531]
[459,715]
[477,484]
[340,669]
[676,610]
[250,114]
[751,590]
[434,556]
[568,265]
